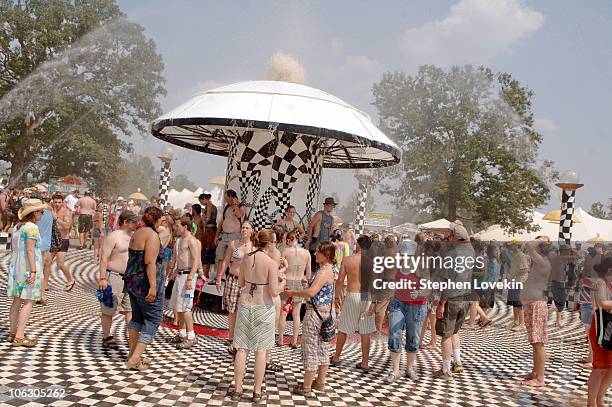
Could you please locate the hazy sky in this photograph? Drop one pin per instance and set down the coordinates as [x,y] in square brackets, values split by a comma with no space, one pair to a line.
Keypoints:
[559,48]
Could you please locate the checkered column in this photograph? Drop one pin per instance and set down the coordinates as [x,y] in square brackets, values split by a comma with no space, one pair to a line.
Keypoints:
[361,207]
[164,183]
[231,160]
[314,185]
[565,220]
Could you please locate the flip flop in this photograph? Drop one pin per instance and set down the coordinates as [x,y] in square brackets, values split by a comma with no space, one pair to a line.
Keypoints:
[358,366]
[69,287]
[334,363]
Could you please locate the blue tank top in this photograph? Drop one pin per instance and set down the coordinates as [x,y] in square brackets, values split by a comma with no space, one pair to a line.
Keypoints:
[325,228]
[325,296]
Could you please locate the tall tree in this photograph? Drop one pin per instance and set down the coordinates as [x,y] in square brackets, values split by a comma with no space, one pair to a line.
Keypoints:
[181,181]
[75,75]
[140,174]
[599,211]
[469,147]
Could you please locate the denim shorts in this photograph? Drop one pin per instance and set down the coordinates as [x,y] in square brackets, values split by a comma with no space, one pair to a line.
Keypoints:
[586,312]
[146,316]
[405,317]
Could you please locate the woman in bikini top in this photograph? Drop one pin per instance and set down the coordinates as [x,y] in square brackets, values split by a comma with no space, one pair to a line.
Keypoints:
[258,272]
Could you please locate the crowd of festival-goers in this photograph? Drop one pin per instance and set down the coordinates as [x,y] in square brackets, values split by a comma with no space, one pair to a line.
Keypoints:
[266,275]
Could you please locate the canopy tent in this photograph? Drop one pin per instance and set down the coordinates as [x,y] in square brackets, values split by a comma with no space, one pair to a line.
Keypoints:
[179,199]
[406,229]
[278,136]
[440,224]
[138,196]
[589,227]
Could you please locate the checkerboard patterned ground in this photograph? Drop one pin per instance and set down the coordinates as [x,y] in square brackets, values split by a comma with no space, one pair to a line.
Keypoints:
[70,355]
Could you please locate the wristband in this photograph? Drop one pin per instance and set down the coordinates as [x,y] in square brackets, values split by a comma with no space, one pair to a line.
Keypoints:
[102,278]
[33,272]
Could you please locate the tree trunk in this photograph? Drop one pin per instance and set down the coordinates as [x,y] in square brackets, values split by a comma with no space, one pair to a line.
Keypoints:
[452,208]
[22,158]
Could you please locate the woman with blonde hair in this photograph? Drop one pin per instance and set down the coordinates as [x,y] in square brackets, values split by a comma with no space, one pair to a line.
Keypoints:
[25,272]
[320,293]
[254,331]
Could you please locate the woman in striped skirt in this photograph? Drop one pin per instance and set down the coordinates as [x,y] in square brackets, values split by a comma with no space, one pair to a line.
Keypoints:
[258,282]
[320,293]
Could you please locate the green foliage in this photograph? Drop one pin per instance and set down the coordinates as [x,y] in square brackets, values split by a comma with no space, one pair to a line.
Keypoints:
[140,173]
[74,75]
[181,181]
[469,147]
[598,210]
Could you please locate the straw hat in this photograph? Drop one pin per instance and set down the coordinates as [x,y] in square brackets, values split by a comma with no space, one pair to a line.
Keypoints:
[31,205]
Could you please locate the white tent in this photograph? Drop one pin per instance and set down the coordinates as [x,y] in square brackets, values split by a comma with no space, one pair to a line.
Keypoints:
[588,228]
[436,224]
[179,199]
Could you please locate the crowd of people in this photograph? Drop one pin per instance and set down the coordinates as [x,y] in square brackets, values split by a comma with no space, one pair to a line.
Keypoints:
[266,275]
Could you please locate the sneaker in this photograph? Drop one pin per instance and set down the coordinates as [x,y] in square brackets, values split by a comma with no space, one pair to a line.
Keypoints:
[186,344]
[412,375]
[177,339]
[440,374]
[391,378]
[456,367]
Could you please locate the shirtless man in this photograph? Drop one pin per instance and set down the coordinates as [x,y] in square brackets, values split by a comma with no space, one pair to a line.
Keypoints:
[63,217]
[535,307]
[320,227]
[188,262]
[298,273]
[229,226]
[86,206]
[113,261]
[355,315]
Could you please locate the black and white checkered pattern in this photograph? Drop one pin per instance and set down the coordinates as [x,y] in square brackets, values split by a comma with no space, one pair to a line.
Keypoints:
[164,183]
[5,242]
[565,220]
[361,207]
[288,156]
[70,355]
[231,160]
[261,219]
[253,153]
[314,182]
[292,155]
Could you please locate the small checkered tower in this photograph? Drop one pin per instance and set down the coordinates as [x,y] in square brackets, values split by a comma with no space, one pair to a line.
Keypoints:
[166,157]
[363,178]
[568,182]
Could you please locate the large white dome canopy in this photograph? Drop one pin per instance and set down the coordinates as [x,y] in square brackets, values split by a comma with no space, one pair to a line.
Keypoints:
[207,122]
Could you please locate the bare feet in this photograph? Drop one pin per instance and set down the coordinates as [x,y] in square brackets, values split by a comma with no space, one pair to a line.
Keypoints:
[534,383]
[528,376]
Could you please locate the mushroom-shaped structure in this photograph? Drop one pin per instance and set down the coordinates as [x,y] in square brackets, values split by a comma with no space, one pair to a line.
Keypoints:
[277,136]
